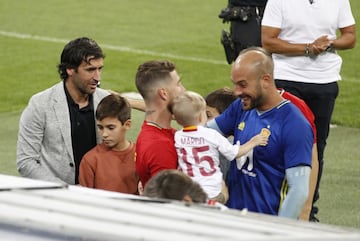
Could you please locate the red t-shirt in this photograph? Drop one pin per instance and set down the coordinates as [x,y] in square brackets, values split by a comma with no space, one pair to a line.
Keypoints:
[155,151]
[105,168]
[303,108]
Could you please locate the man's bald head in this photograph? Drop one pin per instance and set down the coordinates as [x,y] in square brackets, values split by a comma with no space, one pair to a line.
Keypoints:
[256,60]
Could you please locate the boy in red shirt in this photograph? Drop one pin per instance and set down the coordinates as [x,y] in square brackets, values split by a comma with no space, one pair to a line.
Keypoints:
[111,164]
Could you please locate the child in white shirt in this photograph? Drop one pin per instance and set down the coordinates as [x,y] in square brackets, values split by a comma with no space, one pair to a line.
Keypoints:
[198,147]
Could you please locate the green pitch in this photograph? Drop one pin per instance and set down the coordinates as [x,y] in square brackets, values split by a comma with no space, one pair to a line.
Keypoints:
[33,33]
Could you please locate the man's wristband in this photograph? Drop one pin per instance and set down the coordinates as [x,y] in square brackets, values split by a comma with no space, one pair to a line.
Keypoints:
[330,48]
[307,50]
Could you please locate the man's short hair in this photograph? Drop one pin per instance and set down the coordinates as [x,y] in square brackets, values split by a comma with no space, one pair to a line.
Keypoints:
[150,73]
[76,51]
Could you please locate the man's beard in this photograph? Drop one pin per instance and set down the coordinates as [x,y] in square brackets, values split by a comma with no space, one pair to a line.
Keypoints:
[252,102]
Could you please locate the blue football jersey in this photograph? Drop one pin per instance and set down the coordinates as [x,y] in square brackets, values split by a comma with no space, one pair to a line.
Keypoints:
[257,180]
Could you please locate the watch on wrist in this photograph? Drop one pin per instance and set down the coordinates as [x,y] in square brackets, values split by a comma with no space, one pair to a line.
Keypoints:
[307,50]
[330,48]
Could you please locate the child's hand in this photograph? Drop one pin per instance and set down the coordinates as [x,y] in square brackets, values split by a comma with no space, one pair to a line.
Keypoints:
[260,140]
[265,133]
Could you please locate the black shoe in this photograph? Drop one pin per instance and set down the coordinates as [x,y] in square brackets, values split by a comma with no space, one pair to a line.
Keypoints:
[313,212]
[314,219]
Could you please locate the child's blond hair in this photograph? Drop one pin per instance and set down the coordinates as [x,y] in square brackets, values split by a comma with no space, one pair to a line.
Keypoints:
[187,108]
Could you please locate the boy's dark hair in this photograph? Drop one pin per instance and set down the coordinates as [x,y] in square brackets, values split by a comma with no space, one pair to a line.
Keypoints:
[220,99]
[114,106]
[76,51]
[175,185]
[149,73]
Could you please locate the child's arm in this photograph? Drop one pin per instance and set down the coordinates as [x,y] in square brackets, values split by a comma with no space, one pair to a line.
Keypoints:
[257,140]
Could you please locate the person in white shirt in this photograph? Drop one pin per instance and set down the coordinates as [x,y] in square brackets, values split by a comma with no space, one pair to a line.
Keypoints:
[198,147]
[302,37]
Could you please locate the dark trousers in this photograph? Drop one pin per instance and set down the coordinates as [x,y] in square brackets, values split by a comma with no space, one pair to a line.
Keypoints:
[245,34]
[321,100]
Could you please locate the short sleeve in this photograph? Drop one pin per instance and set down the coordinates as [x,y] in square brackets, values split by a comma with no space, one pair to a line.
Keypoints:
[272,14]
[346,17]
